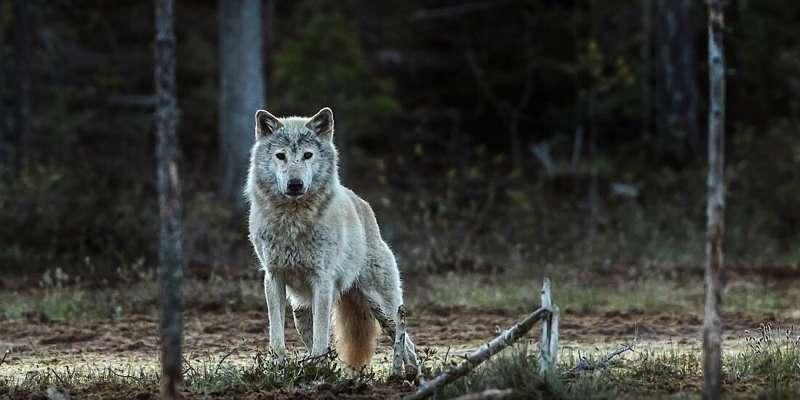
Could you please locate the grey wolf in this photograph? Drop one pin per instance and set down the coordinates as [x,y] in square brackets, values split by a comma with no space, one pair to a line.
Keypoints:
[318,243]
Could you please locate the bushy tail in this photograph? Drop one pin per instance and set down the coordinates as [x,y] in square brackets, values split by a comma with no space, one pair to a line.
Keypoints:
[355,330]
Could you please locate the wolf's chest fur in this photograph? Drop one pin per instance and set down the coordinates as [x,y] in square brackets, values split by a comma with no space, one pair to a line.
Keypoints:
[294,247]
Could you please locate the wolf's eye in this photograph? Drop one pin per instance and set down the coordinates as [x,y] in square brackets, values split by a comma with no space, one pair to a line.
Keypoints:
[280,156]
[307,155]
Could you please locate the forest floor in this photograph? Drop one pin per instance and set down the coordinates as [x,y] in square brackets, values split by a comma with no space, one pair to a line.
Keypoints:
[94,356]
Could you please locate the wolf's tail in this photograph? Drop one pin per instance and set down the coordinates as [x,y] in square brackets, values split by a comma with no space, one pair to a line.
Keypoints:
[355,330]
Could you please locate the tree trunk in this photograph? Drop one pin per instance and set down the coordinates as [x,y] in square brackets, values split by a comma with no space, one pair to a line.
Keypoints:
[594,191]
[676,85]
[23,53]
[646,51]
[712,325]
[4,140]
[169,201]
[241,90]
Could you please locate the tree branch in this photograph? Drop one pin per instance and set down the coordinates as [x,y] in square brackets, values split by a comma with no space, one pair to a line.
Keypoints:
[480,355]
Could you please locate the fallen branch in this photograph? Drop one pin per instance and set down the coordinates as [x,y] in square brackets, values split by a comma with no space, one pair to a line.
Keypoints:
[480,355]
[585,365]
[225,357]
[488,394]
[138,380]
[54,394]
[5,355]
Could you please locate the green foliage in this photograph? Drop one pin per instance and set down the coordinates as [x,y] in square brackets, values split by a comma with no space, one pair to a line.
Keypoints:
[649,293]
[53,215]
[438,172]
[770,362]
[323,63]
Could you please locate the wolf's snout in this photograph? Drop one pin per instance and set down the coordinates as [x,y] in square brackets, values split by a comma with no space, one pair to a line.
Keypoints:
[294,187]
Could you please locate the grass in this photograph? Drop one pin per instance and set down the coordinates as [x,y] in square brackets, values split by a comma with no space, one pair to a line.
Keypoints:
[204,377]
[767,367]
[62,302]
[652,295]
[57,300]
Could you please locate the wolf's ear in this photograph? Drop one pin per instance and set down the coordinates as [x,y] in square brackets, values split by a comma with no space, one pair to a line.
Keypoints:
[266,124]
[322,123]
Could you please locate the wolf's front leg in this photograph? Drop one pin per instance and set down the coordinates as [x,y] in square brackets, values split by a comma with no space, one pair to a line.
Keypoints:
[321,303]
[275,291]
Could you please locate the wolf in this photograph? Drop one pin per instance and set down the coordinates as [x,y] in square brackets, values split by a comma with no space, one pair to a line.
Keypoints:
[318,243]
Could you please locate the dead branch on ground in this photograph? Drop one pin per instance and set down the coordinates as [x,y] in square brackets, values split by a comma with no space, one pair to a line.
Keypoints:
[5,355]
[480,355]
[585,365]
[488,394]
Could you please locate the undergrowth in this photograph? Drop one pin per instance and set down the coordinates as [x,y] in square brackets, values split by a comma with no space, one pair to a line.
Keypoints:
[769,367]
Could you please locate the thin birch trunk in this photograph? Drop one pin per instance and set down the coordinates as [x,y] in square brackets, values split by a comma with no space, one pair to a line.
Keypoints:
[5,144]
[169,201]
[241,69]
[712,324]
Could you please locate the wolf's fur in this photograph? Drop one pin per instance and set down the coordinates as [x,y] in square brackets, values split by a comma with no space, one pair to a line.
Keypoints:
[323,250]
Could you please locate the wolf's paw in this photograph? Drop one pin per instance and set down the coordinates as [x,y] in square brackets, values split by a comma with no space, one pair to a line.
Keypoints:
[278,358]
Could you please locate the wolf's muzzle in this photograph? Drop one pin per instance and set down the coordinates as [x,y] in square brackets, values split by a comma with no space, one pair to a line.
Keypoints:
[294,187]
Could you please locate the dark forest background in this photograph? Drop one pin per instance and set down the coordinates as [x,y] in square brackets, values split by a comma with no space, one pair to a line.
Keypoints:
[487,135]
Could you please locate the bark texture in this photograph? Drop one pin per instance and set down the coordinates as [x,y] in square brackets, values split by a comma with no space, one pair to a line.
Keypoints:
[241,89]
[4,140]
[169,200]
[712,324]
[548,343]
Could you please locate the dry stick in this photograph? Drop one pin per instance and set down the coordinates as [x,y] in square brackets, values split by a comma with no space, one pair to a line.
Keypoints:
[554,316]
[5,355]
[584,365]
[399,342]
[488,394]
[479,356]
[225,357]
[544,341]
[53,393]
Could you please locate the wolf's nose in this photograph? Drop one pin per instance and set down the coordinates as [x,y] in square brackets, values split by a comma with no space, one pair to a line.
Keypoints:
[294,187]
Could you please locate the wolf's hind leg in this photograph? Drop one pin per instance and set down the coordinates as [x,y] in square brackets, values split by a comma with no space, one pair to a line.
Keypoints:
[303,322]
[388,322]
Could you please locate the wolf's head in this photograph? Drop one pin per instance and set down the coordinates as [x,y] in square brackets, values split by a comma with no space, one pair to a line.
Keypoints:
[294,158]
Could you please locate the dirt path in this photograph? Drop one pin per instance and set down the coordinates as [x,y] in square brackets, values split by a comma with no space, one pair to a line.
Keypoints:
[134,339]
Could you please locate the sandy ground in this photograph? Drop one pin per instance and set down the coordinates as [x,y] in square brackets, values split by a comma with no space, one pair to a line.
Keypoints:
[133,340]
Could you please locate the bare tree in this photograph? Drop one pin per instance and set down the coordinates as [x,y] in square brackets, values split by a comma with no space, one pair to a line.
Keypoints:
[241,89]
[4,142]
[676,84]
[170,253]
[712,324]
